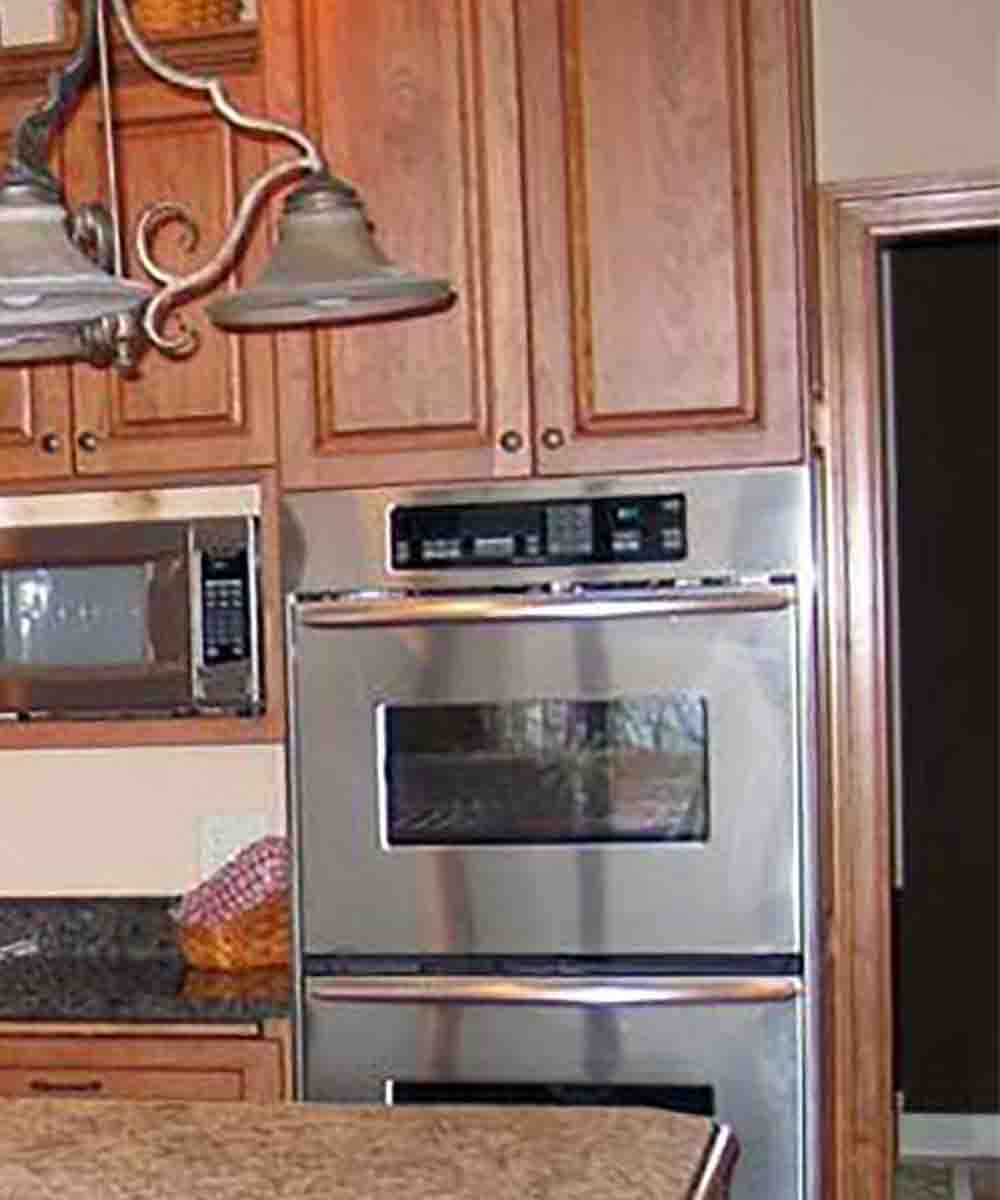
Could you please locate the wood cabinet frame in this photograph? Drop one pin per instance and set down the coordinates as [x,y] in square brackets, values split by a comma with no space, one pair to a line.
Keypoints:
[856,824]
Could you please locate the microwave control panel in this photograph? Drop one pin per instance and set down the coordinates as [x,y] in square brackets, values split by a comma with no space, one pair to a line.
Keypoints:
[599,530]
[225,608]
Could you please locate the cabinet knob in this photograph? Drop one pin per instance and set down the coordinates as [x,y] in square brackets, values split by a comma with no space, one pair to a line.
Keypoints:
[51,443]
[87,441]
[511,441]
[553,439]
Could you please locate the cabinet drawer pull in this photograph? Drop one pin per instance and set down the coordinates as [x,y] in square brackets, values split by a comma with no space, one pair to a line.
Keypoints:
[50,443]
[87,441]
[553,439]
[511,441]
[50,1087]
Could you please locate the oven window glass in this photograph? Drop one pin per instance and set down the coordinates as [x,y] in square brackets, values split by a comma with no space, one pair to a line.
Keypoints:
[74,616]
[547,771]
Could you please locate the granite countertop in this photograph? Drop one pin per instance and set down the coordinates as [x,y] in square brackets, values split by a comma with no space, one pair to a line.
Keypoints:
[78,1150]
[117,960]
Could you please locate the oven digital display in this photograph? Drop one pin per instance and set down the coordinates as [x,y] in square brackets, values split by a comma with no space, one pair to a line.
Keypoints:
[600,530]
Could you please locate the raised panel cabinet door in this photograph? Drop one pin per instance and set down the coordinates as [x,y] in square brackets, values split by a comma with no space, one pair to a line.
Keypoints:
[416,102]
[34,401]
[215,408]
[663,148]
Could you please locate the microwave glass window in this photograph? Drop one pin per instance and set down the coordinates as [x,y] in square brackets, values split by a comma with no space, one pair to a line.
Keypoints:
[630,769]
[74,616]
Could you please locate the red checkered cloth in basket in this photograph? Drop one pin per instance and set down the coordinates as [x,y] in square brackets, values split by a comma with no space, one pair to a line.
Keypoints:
[256,873]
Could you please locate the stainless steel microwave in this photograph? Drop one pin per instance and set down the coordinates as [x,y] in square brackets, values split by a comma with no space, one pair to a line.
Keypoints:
[130,603]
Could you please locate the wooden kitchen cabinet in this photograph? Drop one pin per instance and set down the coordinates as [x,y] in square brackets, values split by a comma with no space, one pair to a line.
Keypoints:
[214,410]
[225,1062]
[616,193]
[416,103]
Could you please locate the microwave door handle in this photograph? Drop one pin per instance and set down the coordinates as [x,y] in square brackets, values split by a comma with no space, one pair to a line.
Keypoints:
[412,610]
[542,991]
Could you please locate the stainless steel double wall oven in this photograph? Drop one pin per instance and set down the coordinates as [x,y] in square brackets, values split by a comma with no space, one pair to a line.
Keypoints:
[552,798]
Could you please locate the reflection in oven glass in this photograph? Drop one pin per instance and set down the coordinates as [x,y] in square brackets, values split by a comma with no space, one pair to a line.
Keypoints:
[546,771]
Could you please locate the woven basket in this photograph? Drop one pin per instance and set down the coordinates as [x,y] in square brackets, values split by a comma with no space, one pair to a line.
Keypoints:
[160,15]
[256,937]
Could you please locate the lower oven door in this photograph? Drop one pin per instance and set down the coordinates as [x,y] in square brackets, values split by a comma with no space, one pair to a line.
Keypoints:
[584,775]
[730,1048]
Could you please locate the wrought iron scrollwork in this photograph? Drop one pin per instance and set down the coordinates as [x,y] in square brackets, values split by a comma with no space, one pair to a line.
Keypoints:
[29,153]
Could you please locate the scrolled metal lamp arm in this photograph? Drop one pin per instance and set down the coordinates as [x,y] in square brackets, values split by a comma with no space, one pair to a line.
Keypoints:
[175,288]
[29,151]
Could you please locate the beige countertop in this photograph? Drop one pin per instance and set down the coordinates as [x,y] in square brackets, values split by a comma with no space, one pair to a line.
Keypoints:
[110,1150]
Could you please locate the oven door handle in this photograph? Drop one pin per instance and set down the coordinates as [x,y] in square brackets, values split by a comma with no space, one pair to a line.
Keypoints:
[545,991]
[415,610]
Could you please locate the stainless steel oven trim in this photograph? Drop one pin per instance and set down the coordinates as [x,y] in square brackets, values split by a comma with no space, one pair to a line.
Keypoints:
[603,992]
[196,653]
[423,610]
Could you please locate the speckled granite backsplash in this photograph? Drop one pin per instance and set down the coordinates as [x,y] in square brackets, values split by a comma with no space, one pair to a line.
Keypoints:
[111,929]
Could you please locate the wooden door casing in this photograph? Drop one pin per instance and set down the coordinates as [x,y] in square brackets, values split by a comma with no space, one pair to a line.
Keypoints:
[855,822]
[417,104]
[665,156]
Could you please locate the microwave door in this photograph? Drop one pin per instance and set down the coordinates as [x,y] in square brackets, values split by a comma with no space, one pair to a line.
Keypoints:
[94,637]
[622,783]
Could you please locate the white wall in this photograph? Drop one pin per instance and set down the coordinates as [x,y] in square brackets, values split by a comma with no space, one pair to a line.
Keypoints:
[906,86]
[129,822]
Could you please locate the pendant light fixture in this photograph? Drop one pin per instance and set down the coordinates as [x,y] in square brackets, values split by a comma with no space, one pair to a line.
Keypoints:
[63,292]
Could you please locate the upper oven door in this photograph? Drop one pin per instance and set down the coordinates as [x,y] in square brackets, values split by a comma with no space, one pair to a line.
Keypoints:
[608,773]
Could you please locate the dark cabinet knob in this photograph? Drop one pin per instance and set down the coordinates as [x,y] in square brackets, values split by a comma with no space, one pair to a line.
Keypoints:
[511,441]
[51,443]
[87,441]
[553,439]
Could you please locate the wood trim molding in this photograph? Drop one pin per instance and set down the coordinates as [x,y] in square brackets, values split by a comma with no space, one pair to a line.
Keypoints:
[853,220]
[216,50]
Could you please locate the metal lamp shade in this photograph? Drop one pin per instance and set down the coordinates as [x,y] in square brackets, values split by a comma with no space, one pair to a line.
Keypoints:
[49,289]
[327,269]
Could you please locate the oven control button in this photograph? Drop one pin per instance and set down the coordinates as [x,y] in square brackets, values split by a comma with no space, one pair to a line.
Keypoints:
[626,541]
[493,547]
[672,540]
[440,549]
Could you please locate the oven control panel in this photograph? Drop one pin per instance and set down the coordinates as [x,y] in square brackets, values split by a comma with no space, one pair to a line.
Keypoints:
[606,529]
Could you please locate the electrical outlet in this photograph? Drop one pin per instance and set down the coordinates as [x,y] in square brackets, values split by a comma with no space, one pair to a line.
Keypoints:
[223,835]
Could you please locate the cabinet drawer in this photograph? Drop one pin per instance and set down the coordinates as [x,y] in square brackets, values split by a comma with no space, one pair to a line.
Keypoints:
[143,1068]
